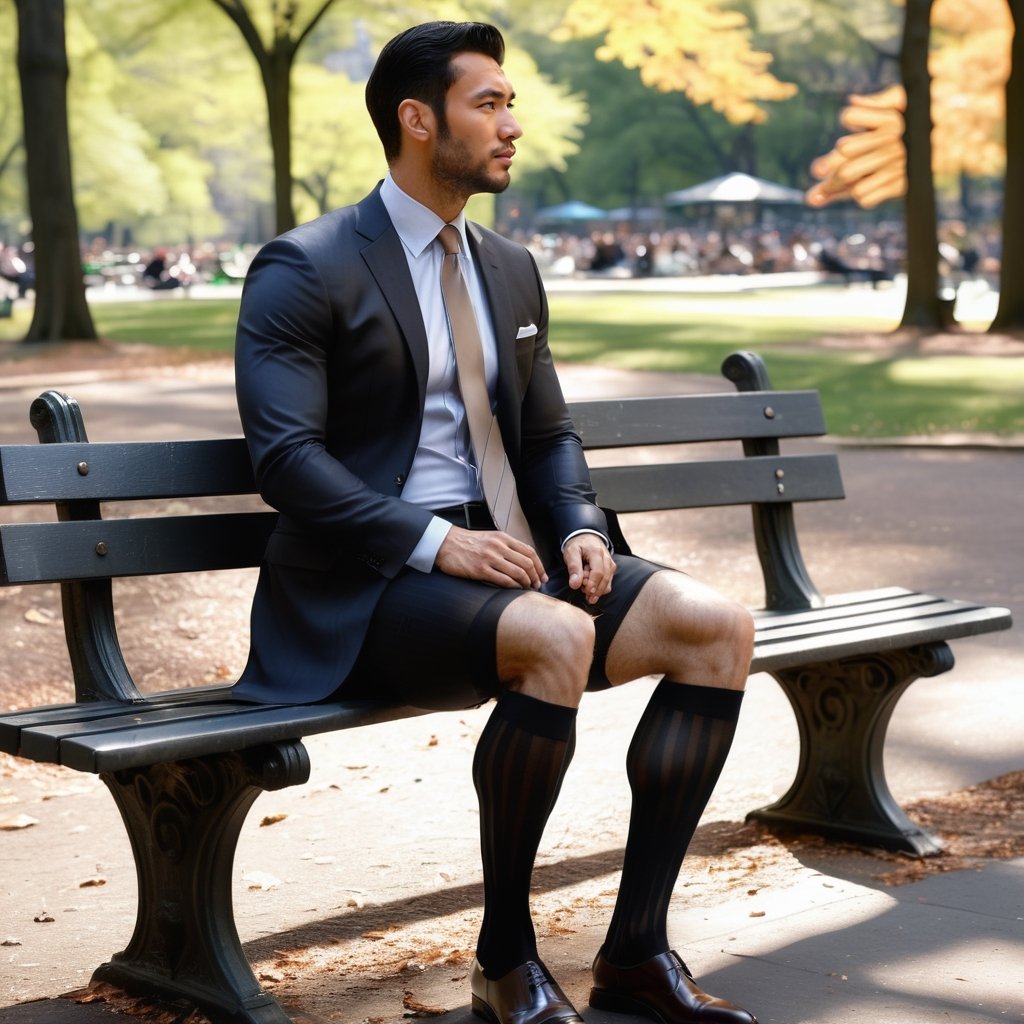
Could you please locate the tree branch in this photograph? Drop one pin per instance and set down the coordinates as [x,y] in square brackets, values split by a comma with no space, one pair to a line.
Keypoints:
[313,22]
[9,155]
[239,14]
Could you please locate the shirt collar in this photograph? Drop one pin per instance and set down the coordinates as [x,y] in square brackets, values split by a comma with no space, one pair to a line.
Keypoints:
[417,226]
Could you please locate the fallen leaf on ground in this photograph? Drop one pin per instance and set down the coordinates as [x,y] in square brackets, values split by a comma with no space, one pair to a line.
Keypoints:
[260,880]
[40,616]
[272,819]
[17,822]
[414,1008]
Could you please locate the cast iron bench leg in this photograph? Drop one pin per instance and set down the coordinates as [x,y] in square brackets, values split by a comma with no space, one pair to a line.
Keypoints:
[842,709]
[184,819]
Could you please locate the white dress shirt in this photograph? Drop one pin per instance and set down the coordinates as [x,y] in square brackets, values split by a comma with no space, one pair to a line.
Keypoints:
[443,470]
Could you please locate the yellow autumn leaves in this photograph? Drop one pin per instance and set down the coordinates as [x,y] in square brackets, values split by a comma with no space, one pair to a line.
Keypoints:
[687,46]
[969,66]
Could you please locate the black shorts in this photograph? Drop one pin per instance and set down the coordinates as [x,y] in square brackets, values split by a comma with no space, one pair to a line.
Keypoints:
[432,642]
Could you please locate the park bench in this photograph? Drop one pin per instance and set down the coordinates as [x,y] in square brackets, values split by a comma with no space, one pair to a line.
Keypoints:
[185,766]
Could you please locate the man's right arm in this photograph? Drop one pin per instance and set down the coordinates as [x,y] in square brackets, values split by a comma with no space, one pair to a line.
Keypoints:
[286,325]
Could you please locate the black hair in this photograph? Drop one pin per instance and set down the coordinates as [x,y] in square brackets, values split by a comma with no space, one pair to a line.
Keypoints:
[417,64]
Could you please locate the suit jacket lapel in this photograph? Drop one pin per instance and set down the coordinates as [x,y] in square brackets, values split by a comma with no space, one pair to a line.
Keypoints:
[385,259]
[504,323]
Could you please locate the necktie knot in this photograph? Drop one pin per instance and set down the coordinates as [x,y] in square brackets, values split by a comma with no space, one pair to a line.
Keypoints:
[450,240]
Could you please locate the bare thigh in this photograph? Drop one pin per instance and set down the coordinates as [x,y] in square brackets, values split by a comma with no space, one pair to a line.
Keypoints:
[683,629]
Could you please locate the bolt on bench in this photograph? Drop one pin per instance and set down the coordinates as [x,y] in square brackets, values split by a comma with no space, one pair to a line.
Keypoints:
[185,766]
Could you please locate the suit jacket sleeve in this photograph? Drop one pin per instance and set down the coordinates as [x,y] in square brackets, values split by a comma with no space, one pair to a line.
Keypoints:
[288,324]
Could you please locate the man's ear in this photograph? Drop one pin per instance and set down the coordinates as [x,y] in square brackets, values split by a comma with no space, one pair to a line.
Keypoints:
[417,120]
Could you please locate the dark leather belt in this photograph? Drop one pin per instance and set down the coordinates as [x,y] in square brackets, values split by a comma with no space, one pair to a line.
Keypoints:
[472,515]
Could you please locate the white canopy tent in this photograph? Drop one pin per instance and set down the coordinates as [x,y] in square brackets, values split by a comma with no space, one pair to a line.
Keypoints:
[737,189]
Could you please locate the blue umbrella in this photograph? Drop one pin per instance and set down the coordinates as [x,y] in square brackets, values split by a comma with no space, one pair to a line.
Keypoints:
[571,210]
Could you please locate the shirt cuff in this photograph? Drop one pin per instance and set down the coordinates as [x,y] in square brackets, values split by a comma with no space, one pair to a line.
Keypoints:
[596,533]
[425,552]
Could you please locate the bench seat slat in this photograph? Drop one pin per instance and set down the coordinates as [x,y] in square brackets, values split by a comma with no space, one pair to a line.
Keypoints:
[12,723]
[50,552]
[718,482]
[838,618]
[836,604]
[957,619]
[240,726]
[128,470]
[121,736]
[611,423]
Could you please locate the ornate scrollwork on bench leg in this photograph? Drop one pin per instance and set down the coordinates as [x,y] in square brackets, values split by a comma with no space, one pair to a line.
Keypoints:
[183,819]
[842,709]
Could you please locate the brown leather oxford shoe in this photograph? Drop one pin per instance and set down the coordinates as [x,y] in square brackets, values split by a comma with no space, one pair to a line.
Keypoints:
[663,990]
[526,995]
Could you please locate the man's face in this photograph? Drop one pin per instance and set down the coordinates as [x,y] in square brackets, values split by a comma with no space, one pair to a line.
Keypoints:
[475,144]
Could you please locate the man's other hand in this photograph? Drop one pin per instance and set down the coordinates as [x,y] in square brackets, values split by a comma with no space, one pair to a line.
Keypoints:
[590,564]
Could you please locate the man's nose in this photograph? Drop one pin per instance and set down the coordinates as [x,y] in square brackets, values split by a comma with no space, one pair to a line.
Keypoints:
[511,129]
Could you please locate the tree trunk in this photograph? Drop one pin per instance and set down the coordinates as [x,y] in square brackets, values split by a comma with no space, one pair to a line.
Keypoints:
[276,68]
[923,307]
[275,64]
[1010,313]
[61,312]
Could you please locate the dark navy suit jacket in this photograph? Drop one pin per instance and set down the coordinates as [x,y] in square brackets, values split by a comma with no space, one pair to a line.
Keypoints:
[331,368]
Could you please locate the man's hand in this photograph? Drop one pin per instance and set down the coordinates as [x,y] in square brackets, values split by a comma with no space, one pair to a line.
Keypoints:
[490,556]
[590,564]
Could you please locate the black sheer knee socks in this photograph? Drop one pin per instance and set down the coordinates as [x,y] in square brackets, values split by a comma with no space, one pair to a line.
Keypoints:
[674,760]
[518,767]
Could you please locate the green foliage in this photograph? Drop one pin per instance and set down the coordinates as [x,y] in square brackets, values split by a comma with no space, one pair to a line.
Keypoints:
[641,143]
[13,201]
[864,394]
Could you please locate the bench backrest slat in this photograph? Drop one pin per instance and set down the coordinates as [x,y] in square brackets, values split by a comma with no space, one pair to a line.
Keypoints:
[101,548]
[775,479]
[79,477]
[613,423]
[137,469]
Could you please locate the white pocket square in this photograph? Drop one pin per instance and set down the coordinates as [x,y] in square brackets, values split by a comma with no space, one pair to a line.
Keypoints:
[527,332]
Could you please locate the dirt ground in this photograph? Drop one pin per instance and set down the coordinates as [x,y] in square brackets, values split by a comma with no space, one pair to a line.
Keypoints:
[195,629]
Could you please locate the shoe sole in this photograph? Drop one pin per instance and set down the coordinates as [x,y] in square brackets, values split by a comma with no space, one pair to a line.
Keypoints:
[483,1009]
[616,1002]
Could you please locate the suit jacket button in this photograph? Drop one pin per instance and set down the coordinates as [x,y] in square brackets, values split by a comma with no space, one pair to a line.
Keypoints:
[400,479]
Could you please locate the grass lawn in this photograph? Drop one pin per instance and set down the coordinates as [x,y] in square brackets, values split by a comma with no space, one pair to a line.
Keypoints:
[867,390]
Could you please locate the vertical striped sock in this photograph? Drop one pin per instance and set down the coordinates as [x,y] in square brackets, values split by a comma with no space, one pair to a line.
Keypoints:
[674,760]
[518,767]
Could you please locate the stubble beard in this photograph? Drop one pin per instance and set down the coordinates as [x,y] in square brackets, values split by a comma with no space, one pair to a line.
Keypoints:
[454,170]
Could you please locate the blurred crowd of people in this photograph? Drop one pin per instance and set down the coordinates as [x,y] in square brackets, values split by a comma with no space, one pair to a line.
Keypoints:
[164,268]
[871,253]
[17,270]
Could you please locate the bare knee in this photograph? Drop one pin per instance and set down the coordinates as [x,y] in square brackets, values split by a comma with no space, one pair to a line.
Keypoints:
[545,648]
[733,643]
[680,628]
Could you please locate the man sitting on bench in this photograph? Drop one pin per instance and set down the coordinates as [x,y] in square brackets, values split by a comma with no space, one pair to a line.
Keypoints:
[438,542]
